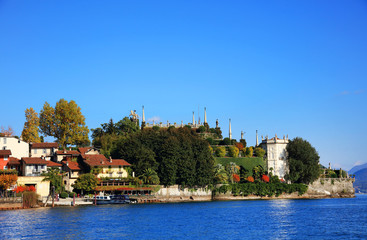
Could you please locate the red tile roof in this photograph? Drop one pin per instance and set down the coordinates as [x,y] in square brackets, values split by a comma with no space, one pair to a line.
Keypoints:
[72,165]
[101,160]
[45,145]
[53,164]
[34,160]
[13,161]
[5,152]
[72,152]
[83,150]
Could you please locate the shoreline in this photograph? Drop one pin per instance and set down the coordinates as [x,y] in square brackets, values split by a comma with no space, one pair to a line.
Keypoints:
[18,206]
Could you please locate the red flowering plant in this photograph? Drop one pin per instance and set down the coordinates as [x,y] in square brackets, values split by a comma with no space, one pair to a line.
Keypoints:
[20,188]
[250,179]
[265,178]
[236,178]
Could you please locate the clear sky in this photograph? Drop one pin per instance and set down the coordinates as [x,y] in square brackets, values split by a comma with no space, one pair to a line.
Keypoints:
[280,67]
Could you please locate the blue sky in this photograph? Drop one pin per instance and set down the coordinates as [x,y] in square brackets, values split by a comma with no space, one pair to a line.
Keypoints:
[280,67]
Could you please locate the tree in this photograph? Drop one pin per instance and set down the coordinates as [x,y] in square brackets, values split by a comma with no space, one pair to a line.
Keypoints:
[232,170]
[243,141]
[201,129]
[55,177]
[249,152]
[220,175]
[303,161]
[225,141]
[7,132]
[126,126]
[86,182]
[178,155]
[259,152]
[239,145]
[7,180]
[220,151]
[30,129]
[65,122]
[233,151]
[150,176]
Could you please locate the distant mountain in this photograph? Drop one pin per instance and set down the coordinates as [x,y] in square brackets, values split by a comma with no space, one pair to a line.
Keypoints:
[361,181]
[357,168]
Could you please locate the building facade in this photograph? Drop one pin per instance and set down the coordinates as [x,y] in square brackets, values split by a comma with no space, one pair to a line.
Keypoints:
[276,155]
[46,150]
[18,147]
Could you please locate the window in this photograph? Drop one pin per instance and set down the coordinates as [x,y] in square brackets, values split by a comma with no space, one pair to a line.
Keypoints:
[44,151]
[35,151]
[5,167]
[6,158]
[4,140]
[4,148]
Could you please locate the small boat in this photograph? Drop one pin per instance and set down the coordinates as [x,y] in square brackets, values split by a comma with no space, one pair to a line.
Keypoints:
[112,199]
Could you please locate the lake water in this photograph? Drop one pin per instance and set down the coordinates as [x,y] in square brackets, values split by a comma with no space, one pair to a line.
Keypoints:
[261,219]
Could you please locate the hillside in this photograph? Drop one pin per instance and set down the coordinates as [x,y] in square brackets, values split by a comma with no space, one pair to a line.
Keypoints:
[361,181]
[357,168]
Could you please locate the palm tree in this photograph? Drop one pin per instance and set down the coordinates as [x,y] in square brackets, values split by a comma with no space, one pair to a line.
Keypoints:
[220,174]
[232,168]
[150,176]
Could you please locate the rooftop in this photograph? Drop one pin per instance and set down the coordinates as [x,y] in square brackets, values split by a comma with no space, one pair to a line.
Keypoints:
[5,152]
[45,145]
[101,160]
[34,160]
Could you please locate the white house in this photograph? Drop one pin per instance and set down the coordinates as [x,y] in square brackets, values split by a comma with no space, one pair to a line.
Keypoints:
[276,155]
[18,147]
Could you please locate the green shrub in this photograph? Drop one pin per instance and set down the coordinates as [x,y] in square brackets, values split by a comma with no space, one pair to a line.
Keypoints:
[72,194]
[249,152]
[64,195]
[220,151]
[233,151]
[259,152]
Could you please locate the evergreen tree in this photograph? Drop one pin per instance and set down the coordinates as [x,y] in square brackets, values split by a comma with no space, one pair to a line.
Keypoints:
[303,161]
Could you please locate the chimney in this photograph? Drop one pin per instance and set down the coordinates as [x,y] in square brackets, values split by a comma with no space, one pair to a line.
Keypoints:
[69,148]
[67,163]
[110,159]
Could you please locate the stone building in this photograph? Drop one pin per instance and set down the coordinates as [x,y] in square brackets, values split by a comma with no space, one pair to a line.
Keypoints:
[276,155]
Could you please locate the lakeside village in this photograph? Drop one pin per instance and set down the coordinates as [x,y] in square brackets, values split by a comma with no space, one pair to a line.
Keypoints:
[153,162]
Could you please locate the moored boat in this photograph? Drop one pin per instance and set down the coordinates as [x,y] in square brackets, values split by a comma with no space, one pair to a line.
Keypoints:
[112,199]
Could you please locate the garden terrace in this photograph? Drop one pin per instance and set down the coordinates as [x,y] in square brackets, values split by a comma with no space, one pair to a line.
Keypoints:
[247,162]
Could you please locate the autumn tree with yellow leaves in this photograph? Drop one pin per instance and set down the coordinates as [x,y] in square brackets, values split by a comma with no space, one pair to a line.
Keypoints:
[65,122]
[30,129]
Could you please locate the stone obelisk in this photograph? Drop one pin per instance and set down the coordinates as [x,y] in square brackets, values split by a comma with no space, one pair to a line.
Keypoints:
[193,119]
[143,117]
[230,130]
[205,115]
[257,140]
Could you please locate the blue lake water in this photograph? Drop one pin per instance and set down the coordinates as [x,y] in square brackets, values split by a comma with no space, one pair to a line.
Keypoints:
[267,219]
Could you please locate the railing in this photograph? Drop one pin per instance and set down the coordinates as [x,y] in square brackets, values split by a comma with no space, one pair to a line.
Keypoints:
[11,200]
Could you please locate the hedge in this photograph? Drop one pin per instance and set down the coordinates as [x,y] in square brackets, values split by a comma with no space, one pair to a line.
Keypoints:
[262,189]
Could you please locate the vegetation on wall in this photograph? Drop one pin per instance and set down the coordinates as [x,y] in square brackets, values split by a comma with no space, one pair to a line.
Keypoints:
[262,189]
